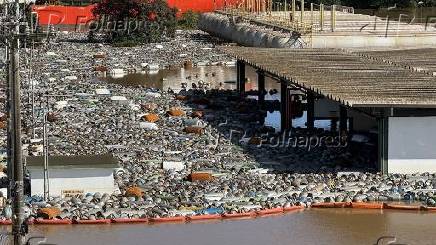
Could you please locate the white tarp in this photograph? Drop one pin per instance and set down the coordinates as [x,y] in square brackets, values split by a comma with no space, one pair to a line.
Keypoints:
[102,91]
[178,166]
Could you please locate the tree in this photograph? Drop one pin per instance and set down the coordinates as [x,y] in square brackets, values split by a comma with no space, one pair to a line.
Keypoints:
[142,21]
[189,20]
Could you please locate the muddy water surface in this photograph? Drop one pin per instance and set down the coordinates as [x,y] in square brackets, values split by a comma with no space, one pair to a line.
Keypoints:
[339,226]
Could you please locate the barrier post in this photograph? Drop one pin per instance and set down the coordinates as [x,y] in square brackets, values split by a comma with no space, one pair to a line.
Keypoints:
[333,18]
[311,13]
[321,16]
[293,10]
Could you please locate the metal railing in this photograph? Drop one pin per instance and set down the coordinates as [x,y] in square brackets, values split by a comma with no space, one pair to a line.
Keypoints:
[296,15]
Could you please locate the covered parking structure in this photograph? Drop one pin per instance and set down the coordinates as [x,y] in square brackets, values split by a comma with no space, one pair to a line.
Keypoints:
[385,86]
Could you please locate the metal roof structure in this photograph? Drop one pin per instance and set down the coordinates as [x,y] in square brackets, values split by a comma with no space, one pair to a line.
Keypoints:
[422,60]
[349,78]
[68,162]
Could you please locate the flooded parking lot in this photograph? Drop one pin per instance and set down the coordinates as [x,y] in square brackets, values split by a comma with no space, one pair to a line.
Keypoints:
[338,226]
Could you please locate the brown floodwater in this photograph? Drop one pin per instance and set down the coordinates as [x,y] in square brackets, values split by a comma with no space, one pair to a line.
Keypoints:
[218,77]
[328,226]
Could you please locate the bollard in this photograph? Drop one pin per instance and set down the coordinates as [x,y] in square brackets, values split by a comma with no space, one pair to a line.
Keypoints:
[302,11]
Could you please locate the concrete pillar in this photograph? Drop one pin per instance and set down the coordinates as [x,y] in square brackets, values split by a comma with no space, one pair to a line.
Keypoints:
[261,86]
[321,16]
[333,126]
[333,18]
[310,111]
[343,118]
[382,123]
[293,10]
[285,103]
[302,11]
[240,83]
[350,125]
[311,13]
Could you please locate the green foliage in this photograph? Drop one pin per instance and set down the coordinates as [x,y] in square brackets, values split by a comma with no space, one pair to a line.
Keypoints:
[189,20]
[140,21]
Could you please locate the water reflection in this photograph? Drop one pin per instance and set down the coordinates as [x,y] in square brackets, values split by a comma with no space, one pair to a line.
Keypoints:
[273,119]
[213,77]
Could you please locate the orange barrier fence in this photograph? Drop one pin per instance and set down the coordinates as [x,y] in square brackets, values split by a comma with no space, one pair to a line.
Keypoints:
[168,219]
[78,15]
[401,206]
[204,217]
[91,222]
[270,211]
[52,221]
[246,215]
[331,205]
[370,205]
[293,208]
[366,205]
[63,15]
[128,220]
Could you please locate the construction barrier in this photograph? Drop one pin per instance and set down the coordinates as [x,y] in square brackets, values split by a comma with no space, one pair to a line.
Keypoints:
[204,217]
[79,15]
[293,208]
[401,207]
[128,220]
[247,215]
[91,222]
[168,219]
[331,205]
[239,215]
[52,222]
[366,205]
[270,211]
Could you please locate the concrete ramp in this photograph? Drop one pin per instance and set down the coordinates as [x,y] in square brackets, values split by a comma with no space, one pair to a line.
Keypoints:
[316,29]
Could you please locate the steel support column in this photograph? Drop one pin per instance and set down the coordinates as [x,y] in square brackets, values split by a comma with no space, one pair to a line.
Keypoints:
[343,119]
[240,83]
[310,111]
[261,86]
[286,106]
[383,123]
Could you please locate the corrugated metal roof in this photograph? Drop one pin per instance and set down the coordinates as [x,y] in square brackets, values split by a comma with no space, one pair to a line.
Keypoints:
[422,60]
[347,77]
[90,161]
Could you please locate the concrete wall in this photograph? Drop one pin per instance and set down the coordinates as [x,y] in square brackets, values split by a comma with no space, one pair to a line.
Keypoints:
[412,144]
[371,41]
[88,180]
[246,34]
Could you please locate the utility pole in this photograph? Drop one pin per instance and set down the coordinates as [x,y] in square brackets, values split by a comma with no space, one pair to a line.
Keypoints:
[45,150]
[17,184]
